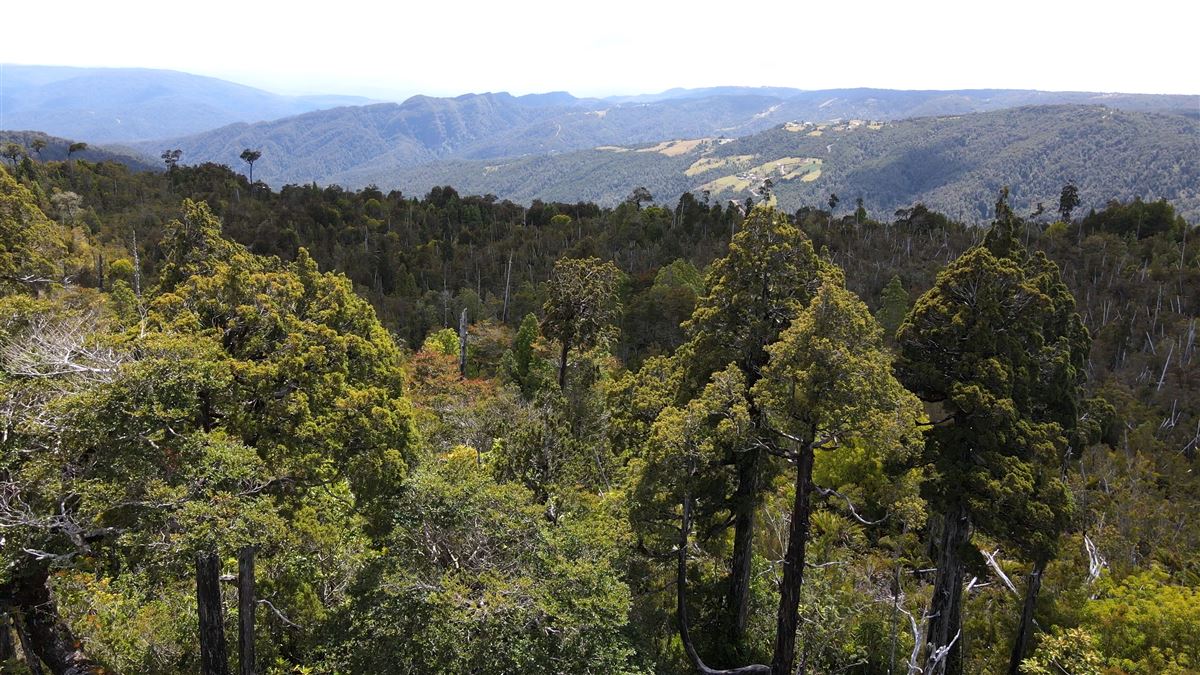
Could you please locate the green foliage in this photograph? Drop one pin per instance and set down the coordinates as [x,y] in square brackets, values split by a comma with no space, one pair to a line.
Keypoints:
[1137,218]
[652,321]
[1070,650]
[477,578]
[685,454]
[193,246]
[997,345]
[680,274]
[258,403]
[829,380]
[1145,624]
[581,305]
[754,292]
[444,341]
[34,251]
[893,306]
[1067,201]
[125,627]
[180,392]
[522,365]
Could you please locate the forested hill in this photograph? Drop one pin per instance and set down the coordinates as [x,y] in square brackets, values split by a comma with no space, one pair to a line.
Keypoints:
[953,164]
[193,368]
[360,145]
[106,105]
[36,146]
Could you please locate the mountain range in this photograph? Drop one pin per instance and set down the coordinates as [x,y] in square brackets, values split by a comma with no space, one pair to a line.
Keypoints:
[106,105]
[956,164]
[364,144]
[950,149]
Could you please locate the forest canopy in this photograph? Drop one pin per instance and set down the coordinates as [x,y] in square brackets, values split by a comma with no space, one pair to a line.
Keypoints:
[461,434]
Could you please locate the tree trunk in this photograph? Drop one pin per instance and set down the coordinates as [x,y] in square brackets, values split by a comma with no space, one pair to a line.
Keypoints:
[462,343]
[32,662]
[246,607]
[213,654]
[793,568]
[681,611]
[1025,629]
[745,499]
[507,283]
[6,644]
[562,365]
[49,639]
[945,624]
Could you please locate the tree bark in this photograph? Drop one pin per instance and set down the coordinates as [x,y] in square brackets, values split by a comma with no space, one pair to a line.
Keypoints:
[793,568]
[562,365]
[745,501]
[50,640]
[1025,628]
[6,644]
[945,623]
[246,607]
[681,611]
[32,662]
[213,654]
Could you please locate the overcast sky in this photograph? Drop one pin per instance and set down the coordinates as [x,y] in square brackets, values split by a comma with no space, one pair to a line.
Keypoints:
[443,47]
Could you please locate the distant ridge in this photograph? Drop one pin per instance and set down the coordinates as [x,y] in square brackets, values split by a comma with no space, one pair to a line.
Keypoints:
[955,164]
[56,150]
[379,140]
[104,105]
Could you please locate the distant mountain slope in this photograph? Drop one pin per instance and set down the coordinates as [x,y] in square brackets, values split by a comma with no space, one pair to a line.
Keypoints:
[372,142]
[56,150]
[890,104]
[318,145]
[955,164]
[127,104]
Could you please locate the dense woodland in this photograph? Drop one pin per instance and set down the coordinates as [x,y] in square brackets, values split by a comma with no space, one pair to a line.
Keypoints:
[679,438]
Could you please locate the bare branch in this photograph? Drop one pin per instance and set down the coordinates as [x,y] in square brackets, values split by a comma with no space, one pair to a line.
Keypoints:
[991,558]
[57,347]
[1096,562]
[827,492]
[286,621]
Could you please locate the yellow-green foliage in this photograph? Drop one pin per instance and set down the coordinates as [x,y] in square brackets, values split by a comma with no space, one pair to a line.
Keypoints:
[1146,624]
[444,341]
[258,403]
[1070,650]
[34,250]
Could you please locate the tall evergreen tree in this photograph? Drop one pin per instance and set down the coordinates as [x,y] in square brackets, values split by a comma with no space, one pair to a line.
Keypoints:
[829,385]
[998,352]
[893,306]
[754,292]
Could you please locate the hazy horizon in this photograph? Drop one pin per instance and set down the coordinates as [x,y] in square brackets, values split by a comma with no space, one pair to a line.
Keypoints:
[380,95]
[628,48]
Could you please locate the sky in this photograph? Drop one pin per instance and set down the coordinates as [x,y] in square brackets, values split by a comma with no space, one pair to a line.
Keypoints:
[447,47]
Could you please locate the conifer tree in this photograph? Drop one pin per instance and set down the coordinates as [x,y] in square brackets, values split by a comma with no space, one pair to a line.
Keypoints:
[998,352]
[893,306]
[754,292]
